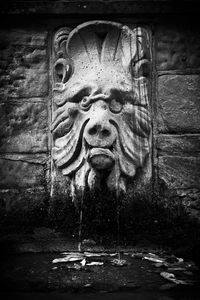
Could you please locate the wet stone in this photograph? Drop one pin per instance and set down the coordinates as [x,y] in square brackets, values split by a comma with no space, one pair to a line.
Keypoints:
[23,64]
[179,104]
[23,127]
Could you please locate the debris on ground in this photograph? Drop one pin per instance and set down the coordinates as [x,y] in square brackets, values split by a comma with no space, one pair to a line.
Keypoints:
[88,242]
[95,263]
[118,262]
[137,255]
[172,277]
[69,258]
[153,257]
[99,254]
[170,267]
[83,262]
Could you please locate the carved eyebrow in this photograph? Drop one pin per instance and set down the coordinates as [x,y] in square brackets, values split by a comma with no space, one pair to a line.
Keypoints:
[78,94]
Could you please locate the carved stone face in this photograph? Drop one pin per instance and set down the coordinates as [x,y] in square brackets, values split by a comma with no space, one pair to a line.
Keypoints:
[101,124]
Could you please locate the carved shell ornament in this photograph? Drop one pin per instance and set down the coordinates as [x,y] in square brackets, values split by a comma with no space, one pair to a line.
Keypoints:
[100,121]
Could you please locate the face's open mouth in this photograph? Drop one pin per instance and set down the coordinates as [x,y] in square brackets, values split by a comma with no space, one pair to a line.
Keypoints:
[100,158]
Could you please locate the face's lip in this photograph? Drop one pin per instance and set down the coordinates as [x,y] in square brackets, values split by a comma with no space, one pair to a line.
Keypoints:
[97,151]
[101,152]
[90,147]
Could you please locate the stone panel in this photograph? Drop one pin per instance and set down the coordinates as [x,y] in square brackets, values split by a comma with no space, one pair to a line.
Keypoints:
[180,172]
[18,173]
[23,127]
[179,103]
[187,145]
[23,64]
[177,48]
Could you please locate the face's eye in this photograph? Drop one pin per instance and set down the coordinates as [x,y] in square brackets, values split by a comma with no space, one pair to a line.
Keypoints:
[85,103]
[115,106]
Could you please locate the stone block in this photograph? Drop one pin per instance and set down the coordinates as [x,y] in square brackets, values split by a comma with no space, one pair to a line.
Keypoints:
[179,172]
[23,64]
[23,127]
[177,48]
[179,104]
[179,169]
[17,172]
[185,145]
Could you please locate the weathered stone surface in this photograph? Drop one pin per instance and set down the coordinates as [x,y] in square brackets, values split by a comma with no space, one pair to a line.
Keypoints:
[177,48]
[179,168]
[179,103]
[23,64]
[18,173]
[24,200]
[101,123]
[186,145]
[179,172]
[22,209]
[23,127]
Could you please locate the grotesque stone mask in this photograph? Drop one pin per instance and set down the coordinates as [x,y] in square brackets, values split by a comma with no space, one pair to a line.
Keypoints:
[101,124]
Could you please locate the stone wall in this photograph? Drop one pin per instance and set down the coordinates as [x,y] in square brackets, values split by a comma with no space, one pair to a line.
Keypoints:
[25,103]
[177,50]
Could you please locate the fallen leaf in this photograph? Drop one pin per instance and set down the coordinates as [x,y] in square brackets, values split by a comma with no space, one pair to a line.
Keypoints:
[95,263]
[83,262]
[69,258]
[171,277]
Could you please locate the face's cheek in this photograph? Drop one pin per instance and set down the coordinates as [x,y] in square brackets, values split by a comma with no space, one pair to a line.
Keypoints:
[64,118]
[137,119]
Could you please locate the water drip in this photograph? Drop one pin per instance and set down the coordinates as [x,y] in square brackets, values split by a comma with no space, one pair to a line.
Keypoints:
[80,232]
[117,176]
[73,190]
[80,226]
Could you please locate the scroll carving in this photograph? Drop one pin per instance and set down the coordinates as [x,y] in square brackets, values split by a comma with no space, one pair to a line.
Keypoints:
[101,122]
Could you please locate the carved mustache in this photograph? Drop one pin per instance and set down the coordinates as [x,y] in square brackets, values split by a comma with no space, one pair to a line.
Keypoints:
[131,146]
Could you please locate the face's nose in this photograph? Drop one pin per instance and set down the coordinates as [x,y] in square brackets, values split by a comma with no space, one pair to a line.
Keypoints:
[99,132]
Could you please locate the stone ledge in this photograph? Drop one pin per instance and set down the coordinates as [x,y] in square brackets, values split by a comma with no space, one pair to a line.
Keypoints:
[37,158]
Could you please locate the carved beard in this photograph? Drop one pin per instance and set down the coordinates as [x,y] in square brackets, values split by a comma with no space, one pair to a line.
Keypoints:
[128,151]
